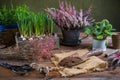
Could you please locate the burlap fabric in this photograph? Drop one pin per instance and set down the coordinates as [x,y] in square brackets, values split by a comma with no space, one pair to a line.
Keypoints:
[92,64]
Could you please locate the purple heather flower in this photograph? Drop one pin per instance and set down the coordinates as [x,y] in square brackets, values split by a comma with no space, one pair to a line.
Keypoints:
[66,17]
[61,6]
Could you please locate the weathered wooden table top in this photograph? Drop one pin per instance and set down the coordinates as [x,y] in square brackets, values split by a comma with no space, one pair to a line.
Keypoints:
[105,75]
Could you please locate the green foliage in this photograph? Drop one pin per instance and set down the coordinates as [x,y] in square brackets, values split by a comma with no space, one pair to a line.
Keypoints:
[49,24]
[7,15]
[100,30]
[24,21]
[43,24]
[30,23]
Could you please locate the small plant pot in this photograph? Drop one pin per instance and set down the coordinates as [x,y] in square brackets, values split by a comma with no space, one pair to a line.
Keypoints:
[116,40]
[99,44]
[7,34]
[71,37]
[7,27]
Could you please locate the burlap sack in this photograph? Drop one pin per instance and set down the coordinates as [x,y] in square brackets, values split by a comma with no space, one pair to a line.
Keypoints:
[92,64]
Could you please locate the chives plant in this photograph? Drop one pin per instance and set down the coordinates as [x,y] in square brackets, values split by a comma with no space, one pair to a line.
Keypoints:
[39,24]
[49,24]
[43,24]
[24,20]
[31,24]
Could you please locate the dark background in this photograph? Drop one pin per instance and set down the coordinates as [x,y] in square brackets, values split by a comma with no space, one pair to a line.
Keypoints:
[101,9]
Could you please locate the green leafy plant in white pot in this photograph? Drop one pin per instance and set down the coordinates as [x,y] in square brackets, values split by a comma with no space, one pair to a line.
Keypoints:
[99,31]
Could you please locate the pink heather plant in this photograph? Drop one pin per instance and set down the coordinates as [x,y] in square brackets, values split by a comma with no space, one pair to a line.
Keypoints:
[39,49]
[68,18]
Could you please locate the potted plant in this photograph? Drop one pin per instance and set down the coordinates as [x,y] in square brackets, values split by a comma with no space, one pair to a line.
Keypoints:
[35,33]
[25,21]
[99,31]
[30,23]
[7,18]
[70,21]
[42,24]
[8,26]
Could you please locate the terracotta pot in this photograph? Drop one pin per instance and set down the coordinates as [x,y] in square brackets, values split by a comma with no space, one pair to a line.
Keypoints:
[116,40]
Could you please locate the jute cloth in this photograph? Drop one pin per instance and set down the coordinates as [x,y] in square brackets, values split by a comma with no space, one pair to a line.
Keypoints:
[92,64]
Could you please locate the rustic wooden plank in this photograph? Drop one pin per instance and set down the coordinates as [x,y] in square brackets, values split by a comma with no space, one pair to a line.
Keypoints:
[106,75]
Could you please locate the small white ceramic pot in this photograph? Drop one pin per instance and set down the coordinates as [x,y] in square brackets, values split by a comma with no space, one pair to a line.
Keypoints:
[99,44]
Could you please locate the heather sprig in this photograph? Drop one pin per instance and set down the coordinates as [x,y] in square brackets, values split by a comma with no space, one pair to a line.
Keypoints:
[37,49]
[68,18]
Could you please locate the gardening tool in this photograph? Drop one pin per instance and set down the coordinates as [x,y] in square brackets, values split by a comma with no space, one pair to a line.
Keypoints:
[19,70]
[75,59]
[114,59]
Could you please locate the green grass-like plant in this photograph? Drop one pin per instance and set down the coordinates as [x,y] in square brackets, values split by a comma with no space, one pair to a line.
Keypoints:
[43,24]
[24,16]
[39,24]
[31,23]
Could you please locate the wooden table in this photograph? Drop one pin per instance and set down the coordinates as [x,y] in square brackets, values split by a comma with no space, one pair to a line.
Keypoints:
[106,75]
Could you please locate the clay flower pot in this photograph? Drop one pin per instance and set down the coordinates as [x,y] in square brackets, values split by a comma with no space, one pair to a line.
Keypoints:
[116,40]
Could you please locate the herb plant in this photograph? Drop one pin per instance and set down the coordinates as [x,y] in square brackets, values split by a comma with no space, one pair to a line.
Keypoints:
[39,24]
[49,24]
[68,18]
[43,24]
[31,23]
[24,21]
[7,15]
[100,30]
